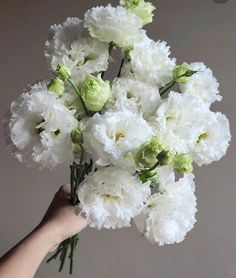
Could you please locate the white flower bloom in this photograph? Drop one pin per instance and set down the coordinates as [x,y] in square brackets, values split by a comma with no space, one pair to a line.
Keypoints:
[202,84]
[214,140]
[111,138]
[150,62]
[37,87]
[70,44]
[169,215]
[166,176]
[135,96]
[40,128]
[178,122]
[111,197]
[111,24]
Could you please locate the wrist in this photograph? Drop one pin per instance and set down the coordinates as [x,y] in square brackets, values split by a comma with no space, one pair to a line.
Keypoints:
[49,236]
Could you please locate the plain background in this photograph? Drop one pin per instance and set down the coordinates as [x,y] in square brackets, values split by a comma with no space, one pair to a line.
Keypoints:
[197,30]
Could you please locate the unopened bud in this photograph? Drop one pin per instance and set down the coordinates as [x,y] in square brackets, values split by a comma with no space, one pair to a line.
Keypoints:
[57,86]
[77,135]
[95,92]
[63,72]
[165,157]
[147,155]
[142,9]
[182,73]
[182,163]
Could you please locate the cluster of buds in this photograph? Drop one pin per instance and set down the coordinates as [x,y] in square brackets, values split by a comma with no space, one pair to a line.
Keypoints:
[155,154]
[94,91]
[57,84]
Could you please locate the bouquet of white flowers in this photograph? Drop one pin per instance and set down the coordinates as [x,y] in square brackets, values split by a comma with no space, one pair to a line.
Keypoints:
[123,139]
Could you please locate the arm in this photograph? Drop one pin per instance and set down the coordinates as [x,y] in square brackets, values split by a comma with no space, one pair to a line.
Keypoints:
[59,223]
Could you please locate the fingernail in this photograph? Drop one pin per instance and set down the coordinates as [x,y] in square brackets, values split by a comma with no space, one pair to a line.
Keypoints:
[83,214]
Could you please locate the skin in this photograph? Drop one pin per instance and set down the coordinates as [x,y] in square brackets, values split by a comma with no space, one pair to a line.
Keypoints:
[59,223]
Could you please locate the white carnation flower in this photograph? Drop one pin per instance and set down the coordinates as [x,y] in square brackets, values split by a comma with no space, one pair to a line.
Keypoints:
[178,121]
[214,140]
[135,96]
[70,44]
[166,175]
[113,137]
[169,215]
[202,84]
[111,197]
[111,24]
[40,127]
[150,62]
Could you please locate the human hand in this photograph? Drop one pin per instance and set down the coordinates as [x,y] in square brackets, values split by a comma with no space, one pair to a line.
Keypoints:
[61,221]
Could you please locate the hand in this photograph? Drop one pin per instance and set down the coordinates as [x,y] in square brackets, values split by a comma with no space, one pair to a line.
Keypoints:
[60,220]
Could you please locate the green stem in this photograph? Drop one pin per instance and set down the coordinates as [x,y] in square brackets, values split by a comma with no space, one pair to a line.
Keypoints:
[63,258]
[82,154]
[78,94]
[174,81]
[54,256]
[121,65]
[71,257]
[158,163]
[152,168]
[74,183]
[167,87]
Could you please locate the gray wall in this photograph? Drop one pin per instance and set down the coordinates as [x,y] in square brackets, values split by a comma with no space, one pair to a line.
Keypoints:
[197,30]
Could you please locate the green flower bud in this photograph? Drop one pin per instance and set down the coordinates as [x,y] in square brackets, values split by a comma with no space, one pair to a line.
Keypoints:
[179,73]
[95,92]
[148,176]
[165,157]
[77,149]
[182,163]
[57,86]
[77,135]
[182,73]
[146,157]
[63,72]
[142,9]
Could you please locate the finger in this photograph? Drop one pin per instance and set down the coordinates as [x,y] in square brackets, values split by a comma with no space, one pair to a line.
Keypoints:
[64,190]
[63,193]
